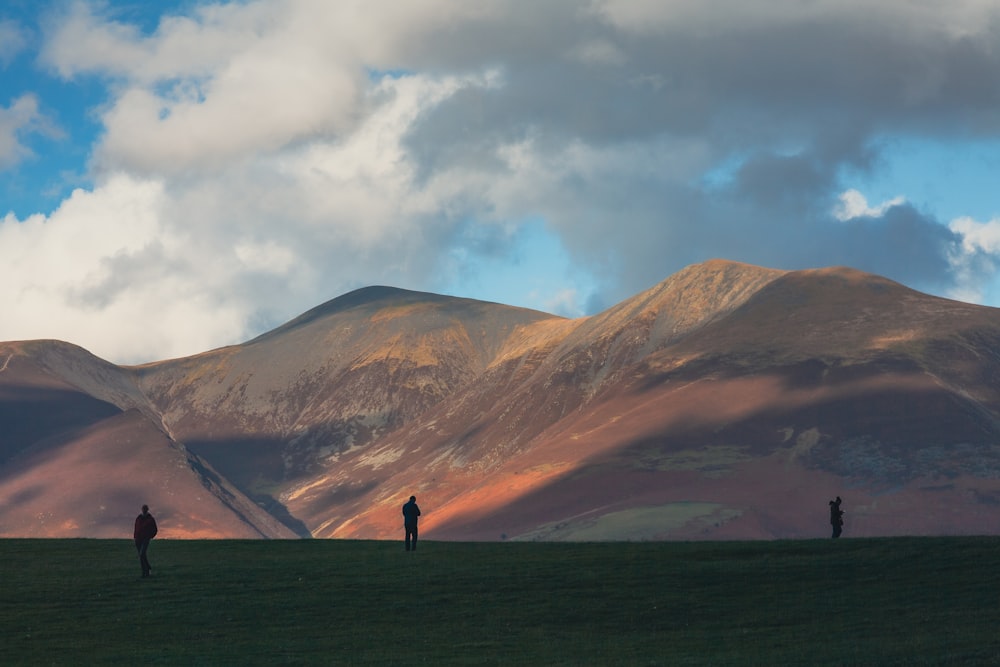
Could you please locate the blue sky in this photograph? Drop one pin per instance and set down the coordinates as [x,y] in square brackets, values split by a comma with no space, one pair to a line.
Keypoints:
[177,176]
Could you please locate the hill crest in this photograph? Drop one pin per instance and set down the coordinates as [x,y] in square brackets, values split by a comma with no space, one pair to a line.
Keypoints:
[720,403]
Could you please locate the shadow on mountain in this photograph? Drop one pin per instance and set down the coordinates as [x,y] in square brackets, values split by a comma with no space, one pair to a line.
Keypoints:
[280,512]
[345,494]
[29,414]
[255,466]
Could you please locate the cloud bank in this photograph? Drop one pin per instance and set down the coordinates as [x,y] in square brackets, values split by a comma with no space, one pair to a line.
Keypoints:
[258,158]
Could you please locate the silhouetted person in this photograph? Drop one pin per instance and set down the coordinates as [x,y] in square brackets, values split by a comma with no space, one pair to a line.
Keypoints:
[836,517]
[410,514]
[145,531]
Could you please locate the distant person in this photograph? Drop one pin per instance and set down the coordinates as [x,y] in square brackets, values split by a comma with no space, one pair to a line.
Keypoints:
[145,531]
[836,517]
[410,514]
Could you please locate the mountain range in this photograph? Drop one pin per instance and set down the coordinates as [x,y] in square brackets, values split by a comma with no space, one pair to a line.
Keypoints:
[729,401]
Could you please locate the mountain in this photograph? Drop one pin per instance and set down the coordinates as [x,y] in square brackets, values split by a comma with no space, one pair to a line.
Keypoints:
[81,449]
[727,402]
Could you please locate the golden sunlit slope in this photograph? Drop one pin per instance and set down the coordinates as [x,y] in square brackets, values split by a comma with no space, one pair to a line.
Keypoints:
[551,369]
[725,402]
[842,312]
[728,401]
[823,382]
[336,378]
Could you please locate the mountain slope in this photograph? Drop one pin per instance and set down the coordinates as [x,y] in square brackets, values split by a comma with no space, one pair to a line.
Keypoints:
[74,465]
[728,401]
[336,378]
[735,426]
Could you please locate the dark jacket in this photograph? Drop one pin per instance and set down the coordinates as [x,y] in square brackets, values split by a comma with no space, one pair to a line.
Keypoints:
[836,514]
[410,513]
[145,528]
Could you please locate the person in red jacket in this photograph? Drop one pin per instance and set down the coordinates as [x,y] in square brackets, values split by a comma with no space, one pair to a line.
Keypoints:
[145,530]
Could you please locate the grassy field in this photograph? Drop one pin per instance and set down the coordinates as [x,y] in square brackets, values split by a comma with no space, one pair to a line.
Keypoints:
[903,601]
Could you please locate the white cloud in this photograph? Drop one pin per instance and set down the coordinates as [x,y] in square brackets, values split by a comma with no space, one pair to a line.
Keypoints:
[90,272]
[565,302]
[84,41]
[974,258]
[182,263]
[21,117]
[269,257]
[853,204]
[978,236]
[257,158]
[224,85]
[13,40]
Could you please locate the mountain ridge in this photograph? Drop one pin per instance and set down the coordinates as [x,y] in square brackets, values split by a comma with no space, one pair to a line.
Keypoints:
[724,402]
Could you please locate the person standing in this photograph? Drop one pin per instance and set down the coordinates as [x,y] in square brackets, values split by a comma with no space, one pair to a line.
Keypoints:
[410,514]
[145,531]
[836,517]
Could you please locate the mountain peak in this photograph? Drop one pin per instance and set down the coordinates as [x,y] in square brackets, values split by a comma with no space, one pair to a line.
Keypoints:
[364,297]
[726,401]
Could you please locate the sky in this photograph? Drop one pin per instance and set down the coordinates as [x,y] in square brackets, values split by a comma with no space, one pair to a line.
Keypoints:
[182,175]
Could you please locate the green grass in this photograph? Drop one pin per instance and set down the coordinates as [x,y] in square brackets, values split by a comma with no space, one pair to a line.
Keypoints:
[902,601]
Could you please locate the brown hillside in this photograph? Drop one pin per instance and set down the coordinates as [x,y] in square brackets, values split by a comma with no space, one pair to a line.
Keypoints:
[729,401]
[337,378]
[735,426]
[77,466]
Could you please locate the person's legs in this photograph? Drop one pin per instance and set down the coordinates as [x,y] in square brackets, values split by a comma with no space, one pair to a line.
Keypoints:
[414,529]
[142,547]
[409,532]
